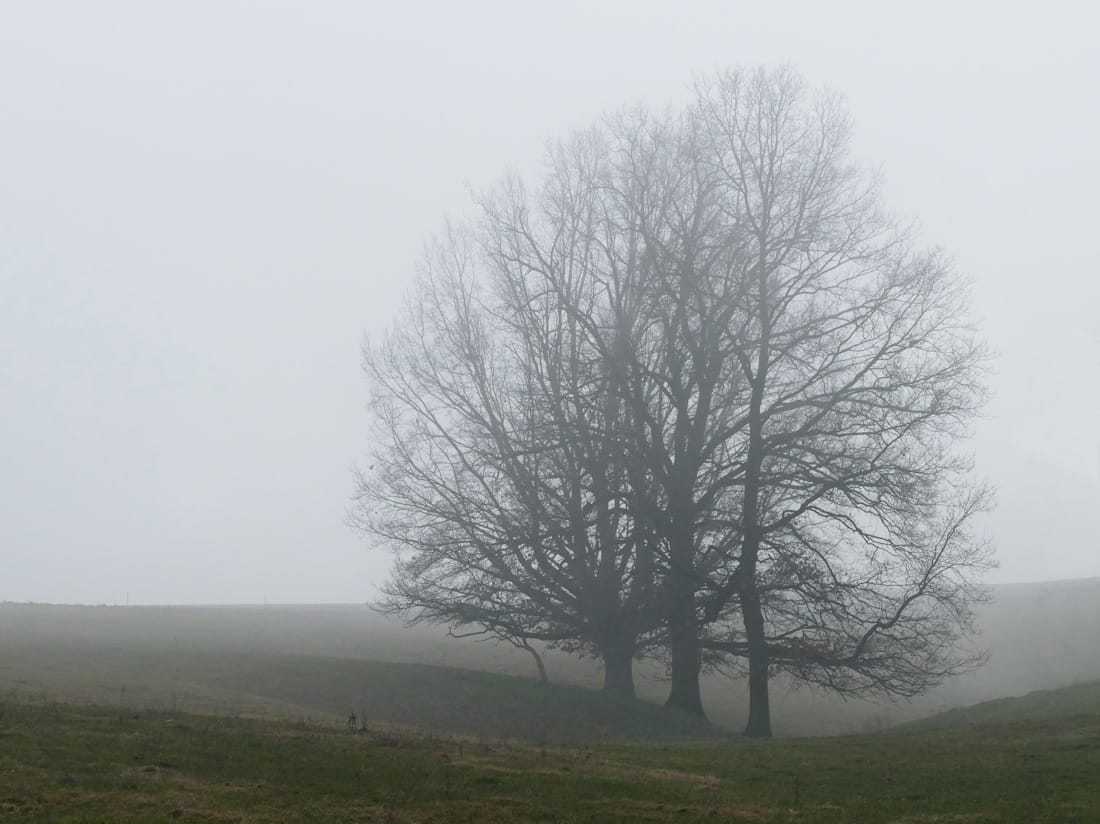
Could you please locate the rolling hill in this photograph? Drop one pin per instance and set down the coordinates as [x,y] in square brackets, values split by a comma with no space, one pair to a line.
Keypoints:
[234,714]
[1076,701]
[299,661]
[60,762]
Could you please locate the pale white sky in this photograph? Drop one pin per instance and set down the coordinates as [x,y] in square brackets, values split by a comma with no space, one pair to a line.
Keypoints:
[204,206]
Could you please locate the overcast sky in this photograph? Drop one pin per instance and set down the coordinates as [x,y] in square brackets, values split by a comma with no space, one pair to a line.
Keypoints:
[205,206]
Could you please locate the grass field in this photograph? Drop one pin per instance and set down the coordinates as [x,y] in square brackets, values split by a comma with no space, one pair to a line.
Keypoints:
[219,714]
[227,662]
[67,763]
[330,659]
[324,661]
[1078,700]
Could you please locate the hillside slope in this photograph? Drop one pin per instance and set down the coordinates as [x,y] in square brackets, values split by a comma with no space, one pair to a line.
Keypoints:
[1077,701]
[1040,636]
[65,763]
[132,663]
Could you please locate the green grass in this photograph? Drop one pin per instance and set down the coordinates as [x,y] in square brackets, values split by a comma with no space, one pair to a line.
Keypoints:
[204,668]
[1066,702]
[436,698]
[68,763]
[236,715]
[225,660]
[321,662]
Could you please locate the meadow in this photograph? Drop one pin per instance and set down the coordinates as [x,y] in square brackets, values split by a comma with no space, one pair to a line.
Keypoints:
[304,662]
[62,762]
[240,714]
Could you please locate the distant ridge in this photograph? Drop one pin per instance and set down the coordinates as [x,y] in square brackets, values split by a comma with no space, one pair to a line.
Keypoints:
[1061,703]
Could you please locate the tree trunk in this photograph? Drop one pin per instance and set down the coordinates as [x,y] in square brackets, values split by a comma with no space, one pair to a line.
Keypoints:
[618,669]
[683,645]
[760,719]
[683,634]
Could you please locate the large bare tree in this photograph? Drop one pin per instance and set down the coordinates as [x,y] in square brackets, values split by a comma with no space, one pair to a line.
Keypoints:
[853,556]
[697,390]
[631,245]
[498,472]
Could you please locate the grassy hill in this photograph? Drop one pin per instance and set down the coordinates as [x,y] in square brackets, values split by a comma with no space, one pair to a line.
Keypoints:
[1076,701]
[213,659]
[65,763]
[440,699]
[219,662]
[237,715]
[295,662]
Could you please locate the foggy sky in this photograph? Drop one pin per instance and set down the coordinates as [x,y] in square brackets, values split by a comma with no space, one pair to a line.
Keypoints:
[205,206]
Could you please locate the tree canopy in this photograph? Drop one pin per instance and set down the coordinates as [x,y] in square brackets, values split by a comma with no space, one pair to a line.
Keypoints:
[697,395]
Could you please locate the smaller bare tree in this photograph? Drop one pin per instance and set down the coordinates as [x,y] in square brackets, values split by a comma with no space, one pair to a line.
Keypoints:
[497,475]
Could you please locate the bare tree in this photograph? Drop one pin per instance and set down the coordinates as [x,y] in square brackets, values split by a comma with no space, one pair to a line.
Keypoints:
[852,549]
[497,472]
[627,245]
[697,391]
[796,371]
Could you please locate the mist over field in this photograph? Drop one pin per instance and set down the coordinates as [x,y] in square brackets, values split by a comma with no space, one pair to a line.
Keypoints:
[193,250]
[427,411]
[1040,636]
